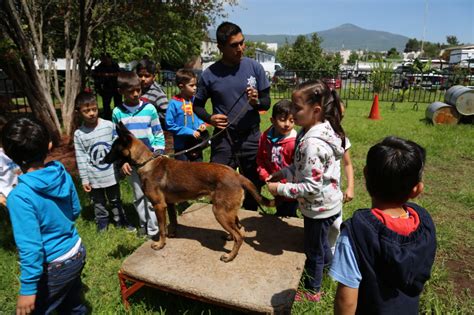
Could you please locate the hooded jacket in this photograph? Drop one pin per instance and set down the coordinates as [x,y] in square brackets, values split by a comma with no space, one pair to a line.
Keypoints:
[43,208]
[394,267]
[314,176]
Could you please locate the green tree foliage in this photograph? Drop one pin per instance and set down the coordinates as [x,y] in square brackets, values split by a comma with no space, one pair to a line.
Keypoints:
[452,40]
[393,53]
[353,58]
[251,46]
[307,54]
[412,45]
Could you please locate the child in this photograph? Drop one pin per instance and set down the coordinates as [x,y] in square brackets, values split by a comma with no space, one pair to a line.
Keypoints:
[384,254]
[43,208]
[188,130]
[142,120]
[275,151]
[315,175]
[92,141]
[9,171]
[152,92]
[335,228]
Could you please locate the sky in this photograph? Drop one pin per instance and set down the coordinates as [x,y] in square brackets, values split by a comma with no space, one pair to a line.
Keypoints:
[431,19]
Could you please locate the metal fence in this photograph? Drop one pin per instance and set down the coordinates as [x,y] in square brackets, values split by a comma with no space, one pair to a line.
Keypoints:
[391,86]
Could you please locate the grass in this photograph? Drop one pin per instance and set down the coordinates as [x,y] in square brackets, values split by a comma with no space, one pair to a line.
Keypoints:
[448,196]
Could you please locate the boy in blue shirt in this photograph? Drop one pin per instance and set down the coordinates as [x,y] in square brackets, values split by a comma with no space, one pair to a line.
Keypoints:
[384,255]
[142,120]
[188,130]
[43,208]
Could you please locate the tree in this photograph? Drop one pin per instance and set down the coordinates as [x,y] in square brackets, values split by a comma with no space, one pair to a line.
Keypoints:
[353,58]
[38,31]
[250,48]
[412,45]
[393,53]
[452,40]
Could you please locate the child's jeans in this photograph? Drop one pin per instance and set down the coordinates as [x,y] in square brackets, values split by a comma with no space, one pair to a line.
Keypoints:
[60,286]
[98,197]
[146,212]
[317,250]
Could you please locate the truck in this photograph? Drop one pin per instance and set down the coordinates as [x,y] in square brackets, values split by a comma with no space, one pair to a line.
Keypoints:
[270,67]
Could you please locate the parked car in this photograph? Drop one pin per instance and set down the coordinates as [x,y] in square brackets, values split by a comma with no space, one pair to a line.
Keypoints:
[286,76]
[333,83]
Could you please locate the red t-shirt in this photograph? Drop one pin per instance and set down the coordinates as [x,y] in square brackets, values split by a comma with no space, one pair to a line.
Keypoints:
[402,225]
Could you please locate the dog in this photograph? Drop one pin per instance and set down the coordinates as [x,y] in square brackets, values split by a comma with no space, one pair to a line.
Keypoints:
[166,180]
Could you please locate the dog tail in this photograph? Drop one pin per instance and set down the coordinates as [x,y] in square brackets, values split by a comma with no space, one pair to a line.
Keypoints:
[250,187]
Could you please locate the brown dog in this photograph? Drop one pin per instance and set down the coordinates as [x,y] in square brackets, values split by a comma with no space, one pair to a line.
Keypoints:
[166,180]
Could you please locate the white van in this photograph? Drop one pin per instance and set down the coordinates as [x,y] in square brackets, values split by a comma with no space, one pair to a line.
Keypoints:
[270,68]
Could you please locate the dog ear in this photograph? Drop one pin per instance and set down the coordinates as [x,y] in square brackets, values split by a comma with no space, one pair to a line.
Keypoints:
[122,131]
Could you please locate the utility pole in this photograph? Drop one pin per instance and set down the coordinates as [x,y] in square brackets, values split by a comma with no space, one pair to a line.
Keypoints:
[424,26]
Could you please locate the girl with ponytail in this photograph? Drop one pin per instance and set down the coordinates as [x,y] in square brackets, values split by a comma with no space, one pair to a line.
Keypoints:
[314,177]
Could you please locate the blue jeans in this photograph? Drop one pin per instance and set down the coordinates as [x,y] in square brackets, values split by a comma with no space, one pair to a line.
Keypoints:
[60,286]
[317,250]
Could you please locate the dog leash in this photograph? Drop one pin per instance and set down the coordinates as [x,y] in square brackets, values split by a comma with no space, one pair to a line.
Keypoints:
[208,141]
[205,141]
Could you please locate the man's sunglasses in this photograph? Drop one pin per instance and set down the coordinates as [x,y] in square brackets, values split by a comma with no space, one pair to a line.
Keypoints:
[237,44]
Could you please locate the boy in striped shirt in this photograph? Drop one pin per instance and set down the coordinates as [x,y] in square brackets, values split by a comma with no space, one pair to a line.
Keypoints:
[142,120]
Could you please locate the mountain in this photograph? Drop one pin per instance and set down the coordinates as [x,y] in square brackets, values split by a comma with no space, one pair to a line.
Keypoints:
[346,36]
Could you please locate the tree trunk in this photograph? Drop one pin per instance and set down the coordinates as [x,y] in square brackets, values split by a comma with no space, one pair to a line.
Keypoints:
[22,71]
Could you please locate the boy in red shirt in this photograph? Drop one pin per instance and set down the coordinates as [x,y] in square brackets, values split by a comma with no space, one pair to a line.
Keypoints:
[384,255]
[275,151]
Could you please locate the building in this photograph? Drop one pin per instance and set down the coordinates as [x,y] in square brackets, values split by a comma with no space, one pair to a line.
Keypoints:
[461,55]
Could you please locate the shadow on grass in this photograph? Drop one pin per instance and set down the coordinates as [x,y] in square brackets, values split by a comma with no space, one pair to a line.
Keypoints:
[161,302]
[7,242]
[122,251]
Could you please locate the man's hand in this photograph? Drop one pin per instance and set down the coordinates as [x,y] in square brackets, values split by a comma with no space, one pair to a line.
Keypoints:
[219,120]
[252,96]
[86,187]
[272,188]
[25,304]
[196,134]
[127,169]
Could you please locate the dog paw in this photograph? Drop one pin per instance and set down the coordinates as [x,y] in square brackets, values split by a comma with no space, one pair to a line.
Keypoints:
[226,258]
[157,245]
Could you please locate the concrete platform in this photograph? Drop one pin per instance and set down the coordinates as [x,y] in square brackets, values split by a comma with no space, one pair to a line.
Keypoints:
[263,278]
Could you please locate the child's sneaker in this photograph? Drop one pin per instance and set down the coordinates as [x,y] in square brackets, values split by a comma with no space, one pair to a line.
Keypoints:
[102,226]
[307,296]
[141,232]
[125,225]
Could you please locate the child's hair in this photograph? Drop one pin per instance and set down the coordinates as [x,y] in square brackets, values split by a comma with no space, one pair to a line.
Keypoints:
[146,64]
[281,108]
[184,76]
[83,98]
[25,140]
[318,92]
[128,80]
[393,167]
[226,30]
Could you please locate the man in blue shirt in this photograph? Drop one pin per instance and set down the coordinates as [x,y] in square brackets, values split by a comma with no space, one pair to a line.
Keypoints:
[238,89]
